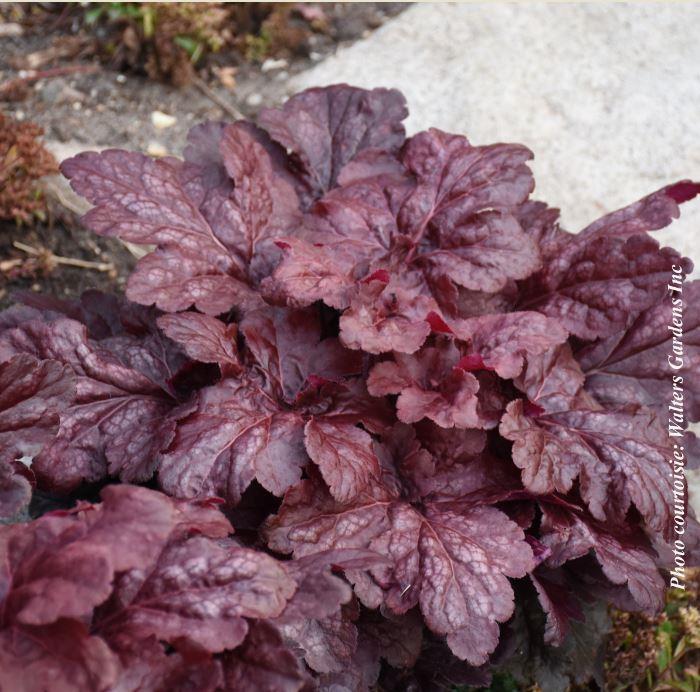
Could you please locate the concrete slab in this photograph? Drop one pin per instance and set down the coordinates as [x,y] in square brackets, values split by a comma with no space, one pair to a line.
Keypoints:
[605,94]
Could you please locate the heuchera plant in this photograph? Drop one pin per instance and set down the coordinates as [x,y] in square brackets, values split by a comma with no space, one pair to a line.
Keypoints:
[403,383]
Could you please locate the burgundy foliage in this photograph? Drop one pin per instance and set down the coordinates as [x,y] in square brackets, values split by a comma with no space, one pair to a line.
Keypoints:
[412,393]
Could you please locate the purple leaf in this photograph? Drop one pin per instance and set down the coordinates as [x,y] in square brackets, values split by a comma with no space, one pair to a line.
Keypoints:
[264,662]
[430,385]
[287,346]
[552,380]
[62,565]
[204,338]
[200,590]
[594,281]
[233,433]
[62,657]
[32,394]
[620,458]
[344,455]
[117,423]
[213,244]
[457,180]
[386,317]
[325,128]
[425,547]
[502,341]
[632,366]
[625,558]
[399,638]
[558,602]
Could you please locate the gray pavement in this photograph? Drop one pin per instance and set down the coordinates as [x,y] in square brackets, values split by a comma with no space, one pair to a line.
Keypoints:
[606,95]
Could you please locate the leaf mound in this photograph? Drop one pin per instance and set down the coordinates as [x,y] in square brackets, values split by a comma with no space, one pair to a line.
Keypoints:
[427,409]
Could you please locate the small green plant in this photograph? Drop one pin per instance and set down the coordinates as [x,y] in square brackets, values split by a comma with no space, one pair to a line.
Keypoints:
[504,682]
[257,46]
[167,40]
[115,11]
[658,654]
[679,650]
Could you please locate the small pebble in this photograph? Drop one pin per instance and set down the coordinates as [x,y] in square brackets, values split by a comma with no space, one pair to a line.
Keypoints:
[162,121]
[156,149]
[272,64]
[121,78]
[58,91]
[69,93]
[227,76]
[254,99]
[9,29]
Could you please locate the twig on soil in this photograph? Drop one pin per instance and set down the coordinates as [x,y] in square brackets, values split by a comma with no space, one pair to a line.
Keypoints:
[62,48]
[12,85]
[213,96]
[6,265]
[69,261]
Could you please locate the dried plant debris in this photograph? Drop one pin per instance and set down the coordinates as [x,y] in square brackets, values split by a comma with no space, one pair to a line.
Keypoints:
[170,41]
[23,161]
